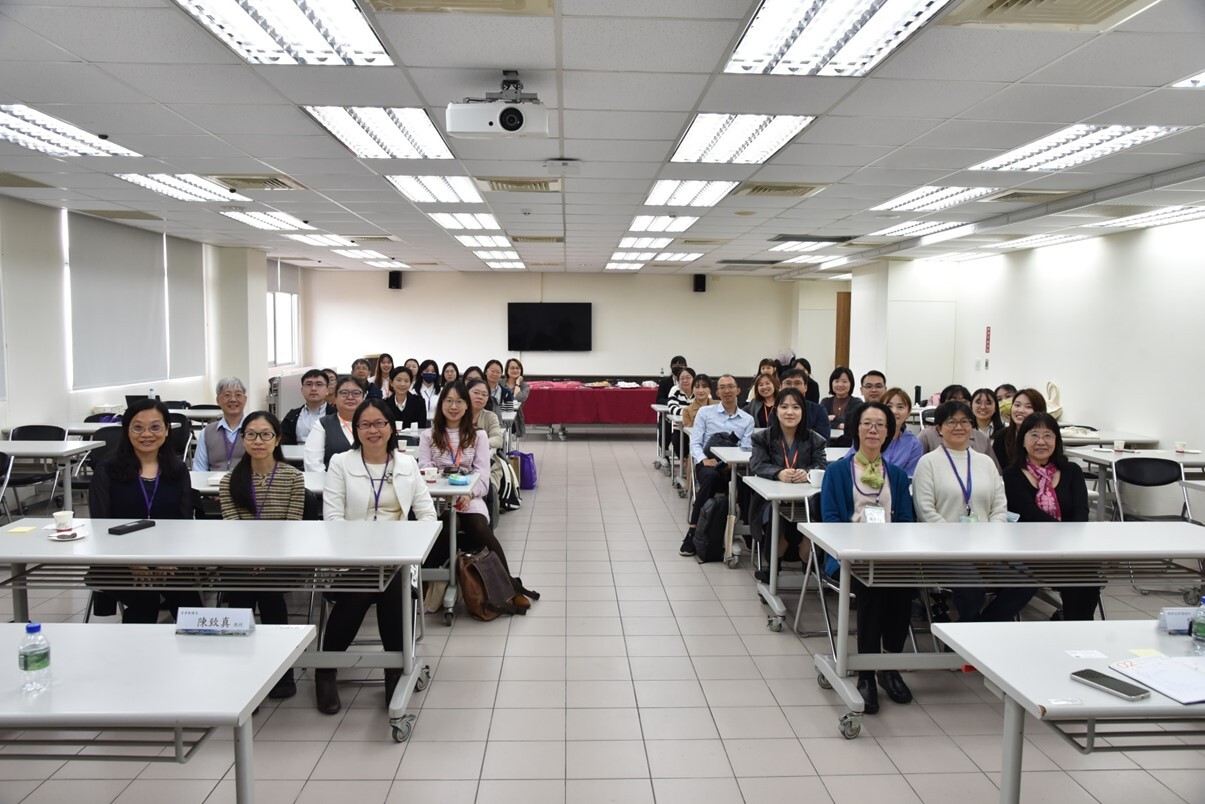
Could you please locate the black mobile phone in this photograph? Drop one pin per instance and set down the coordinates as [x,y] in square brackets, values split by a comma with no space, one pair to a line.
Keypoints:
[1110,684]
[130,527]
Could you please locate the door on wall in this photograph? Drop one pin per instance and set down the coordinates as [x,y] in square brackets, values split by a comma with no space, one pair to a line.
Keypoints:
[841,351]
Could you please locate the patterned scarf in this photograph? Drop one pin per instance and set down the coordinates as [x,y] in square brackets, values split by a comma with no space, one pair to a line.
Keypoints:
[872,473]
[1047,500]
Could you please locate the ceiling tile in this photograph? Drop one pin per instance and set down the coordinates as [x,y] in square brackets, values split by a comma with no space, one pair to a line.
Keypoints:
[278,120]
[1182,107]
[439,87]
[184,83]
[696,9]
[838,130]
[1049,104]
[1152,60]
[624,125]
[632,91]
[346,86]
[1000,135]
[471,40]
[1169,15]
[64,82]
[653,45]
[886,97]
[775,94]
[973,54]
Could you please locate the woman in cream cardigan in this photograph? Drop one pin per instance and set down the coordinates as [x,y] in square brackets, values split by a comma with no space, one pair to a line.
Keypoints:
[377,482]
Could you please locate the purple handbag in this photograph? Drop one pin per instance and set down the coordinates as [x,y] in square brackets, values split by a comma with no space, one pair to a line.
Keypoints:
[527,469]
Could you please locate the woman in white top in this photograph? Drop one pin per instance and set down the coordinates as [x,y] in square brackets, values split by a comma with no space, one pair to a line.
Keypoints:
[372,481]
[956,484]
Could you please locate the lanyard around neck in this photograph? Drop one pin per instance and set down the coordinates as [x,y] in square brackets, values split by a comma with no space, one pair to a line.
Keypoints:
[966,488]
[149,499]
[259,506]
[377,486]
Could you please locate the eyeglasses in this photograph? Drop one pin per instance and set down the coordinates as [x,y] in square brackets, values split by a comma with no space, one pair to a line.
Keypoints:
[958,424]
[364,427]
[878,386]
[232,396]
[154,429]
[265,435]
[351,394]
[871,427]
[455,402]
[314,384]
[1040,435]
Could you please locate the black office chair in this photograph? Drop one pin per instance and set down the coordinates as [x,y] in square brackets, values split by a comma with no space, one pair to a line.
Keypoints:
[928,416]
[205,407]
[110,437]
[177,404]
[1152,473]
[181,436]
[104,417]
[39,471]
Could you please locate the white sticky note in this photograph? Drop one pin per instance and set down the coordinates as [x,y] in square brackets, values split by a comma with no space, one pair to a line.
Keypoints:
[1086,654]
[1065,702]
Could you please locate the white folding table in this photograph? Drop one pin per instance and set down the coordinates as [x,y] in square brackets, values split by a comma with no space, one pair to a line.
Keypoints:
[796,497]
[1029,666]
[1105,457]
[201,415]
[209,483]
[1042,554]
[738,458]
[1107,437]
[293,453]
[661,411]
[145,679]
[65,454]
[441,488]
[236,555]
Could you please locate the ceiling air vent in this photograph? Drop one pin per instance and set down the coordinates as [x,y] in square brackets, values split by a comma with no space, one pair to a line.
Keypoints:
[1059,15]
[373,238]
[1028,196]
[774,189]
[120,214]
[755,263]
[536,239]
[810,238]
[700,241]
[533,8]
[544,264]
[270,181]
[15,181]
[739,269]
[508,184]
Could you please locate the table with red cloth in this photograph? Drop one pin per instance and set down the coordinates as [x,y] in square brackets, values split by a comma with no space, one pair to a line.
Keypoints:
[572,403]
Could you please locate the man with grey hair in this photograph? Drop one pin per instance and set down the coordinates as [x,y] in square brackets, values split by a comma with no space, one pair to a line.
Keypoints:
[220,447]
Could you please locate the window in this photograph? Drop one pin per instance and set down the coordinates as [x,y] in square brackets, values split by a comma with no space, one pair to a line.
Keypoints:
[284,284]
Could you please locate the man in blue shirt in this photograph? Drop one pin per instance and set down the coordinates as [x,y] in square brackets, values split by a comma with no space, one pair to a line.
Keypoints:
[220,446]
[710,474]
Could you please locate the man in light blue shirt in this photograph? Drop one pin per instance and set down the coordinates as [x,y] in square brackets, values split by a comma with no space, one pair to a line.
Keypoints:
[710,475]
[220,447]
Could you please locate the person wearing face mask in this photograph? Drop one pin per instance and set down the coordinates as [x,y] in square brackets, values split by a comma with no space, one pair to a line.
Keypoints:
[429,385]
[930,437]
[676,364]
[1025,402]
[333,434]
[406,408]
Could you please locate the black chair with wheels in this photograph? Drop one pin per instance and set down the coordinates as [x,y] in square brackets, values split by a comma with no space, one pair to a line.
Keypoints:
[115,418]
[181,436]
[176,404]
[40,470]
[928,416]
[1151,473]
[205,407]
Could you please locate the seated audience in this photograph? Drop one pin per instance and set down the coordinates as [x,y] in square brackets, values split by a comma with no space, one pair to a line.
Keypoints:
[840,403]
[666,384]
[987,411]
[711,475]
[333,434]
[407,409]
[449,373]
[930,437]
[262,486]
[767,365]
[219,446]
[1004,396]
[429,384]
[519,390]
[144,479]
[785,451]
[904,450]
[331,375]
[816,418]
[499,393]
[701,389]
[868,488]
[412,364]
[765,388]
[487,420]
[1025,402]
[298,421]
[805,365]
[679,399]
[363,372]
[373,481]
[380,377]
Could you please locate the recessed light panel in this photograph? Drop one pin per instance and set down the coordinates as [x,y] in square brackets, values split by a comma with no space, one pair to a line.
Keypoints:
[437,189]
[645,242]
[633,256]
[387,264]
[497,254]
[913,228]
[271,221]
[837,37]
[623,266]
[800,245]
[673,193]
[465,220]
[508,265]
[809,259]
[1075,145]
[737,139]
[1039,240]
[325,32]
[483,241]
[31,129]
[1196,82]
[672,256]
[929,199]
[1156,218]
[375,132]
[185,187]
[360,254]
[662,223]
[321,240]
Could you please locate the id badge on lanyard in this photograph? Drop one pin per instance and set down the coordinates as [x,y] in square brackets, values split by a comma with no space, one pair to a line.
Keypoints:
[874,515]
[967,519]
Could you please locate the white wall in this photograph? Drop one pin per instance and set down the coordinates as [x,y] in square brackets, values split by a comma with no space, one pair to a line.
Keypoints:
[867,322]
[236,316]
[815,332]
[639,321]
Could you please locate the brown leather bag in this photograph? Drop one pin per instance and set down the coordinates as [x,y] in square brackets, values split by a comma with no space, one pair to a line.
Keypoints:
[486,586]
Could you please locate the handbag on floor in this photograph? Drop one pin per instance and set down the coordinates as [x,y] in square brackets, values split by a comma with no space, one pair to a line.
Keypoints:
[508,489]
[527,469]
[486,586]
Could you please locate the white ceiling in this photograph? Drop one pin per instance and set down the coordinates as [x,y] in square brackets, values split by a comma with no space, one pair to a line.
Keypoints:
[623,79]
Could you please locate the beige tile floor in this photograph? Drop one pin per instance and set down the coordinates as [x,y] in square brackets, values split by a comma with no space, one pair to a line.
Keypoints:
[639,677]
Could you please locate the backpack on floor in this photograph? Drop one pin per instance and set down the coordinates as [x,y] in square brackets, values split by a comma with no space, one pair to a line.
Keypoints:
[527,469]
[508,488]
[709,530]
[486,586]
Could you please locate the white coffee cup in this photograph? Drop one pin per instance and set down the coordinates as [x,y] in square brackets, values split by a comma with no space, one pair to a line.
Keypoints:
[1181,446]
[430,474]
[816,477]
[64,521]
[1118,446]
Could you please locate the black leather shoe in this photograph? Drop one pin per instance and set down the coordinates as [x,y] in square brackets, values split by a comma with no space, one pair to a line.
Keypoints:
[761,575]
[327,692]
[285,687]
[870,695]
[894,686]
[688,544]
[392,677]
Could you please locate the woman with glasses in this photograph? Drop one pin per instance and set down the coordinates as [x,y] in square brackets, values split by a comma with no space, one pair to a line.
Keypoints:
[144,479]
[1043,486]
[519,391]
[956,484]
[333,434]
[374,481]
[987,411]
[904,449]
[498,390]
[262,486]
[1025,402]
[930,438]
[867,488]
[483,419]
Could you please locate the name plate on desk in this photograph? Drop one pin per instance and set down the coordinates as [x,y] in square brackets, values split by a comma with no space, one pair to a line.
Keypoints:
[215,622]
[1176,619]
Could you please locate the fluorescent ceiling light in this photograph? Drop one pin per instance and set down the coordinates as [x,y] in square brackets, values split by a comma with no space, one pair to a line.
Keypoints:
[837,37]
[929,199]
[507,266]
[387,264]
[737,139]
[1075,145]
[915,228]
[31,129]
[184,187]
[326,32]
[808,259]
[360,254]
[1040,240]
[674,193]
[624,266]
[961,256]
[374,132]
[1157,217]
[661,223]
[633,256]
[272,221]
[800,245]
[1196,82]
[497,255]
[645,242]
[321,240]
[483,241]
[465,220]
[437,189]
[839,277]
[671,256]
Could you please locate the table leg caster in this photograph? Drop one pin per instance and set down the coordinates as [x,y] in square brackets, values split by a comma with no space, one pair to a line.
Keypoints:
[656,464]
[448,617]
[424,678]
[402,728]
[774,624]
[823,682]
[850,725]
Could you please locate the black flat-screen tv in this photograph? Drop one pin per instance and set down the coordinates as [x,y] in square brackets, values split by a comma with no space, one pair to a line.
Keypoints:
[549,327]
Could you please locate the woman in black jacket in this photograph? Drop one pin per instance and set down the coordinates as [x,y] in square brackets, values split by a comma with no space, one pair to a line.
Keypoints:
[407,409]
[1043,486]
[786,451]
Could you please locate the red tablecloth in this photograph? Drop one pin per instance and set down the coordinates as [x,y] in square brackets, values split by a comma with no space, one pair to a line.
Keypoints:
[590,406]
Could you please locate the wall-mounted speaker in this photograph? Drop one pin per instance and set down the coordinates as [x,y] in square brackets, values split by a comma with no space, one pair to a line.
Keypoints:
[700,283]
[395,280]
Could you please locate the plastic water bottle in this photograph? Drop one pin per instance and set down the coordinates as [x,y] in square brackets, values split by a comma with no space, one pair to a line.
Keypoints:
[663,372]
[33,658]
[1198,628]
[150,393]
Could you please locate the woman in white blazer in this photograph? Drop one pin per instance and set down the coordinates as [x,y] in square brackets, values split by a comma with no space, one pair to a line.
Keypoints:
[372,481]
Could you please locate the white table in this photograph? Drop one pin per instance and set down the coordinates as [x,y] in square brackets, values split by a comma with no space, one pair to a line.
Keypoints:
[909,554]
[231,555]
[293,453]
[1027,664]
[834,454]
[1107,437]
[145,677]
[1105,457]
[738,458]
[209,483]
[200,414]
[661,411]
[796,496]
[441,488]
[63,453]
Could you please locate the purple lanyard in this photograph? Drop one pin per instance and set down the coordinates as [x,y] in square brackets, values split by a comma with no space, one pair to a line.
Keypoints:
[230,445]
[151,499]
[259,507]
[966,489]
[854,476]
[377,488]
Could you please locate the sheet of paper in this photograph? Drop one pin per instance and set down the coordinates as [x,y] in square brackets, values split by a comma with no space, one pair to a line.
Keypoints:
[1180,679]
[1086,654]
